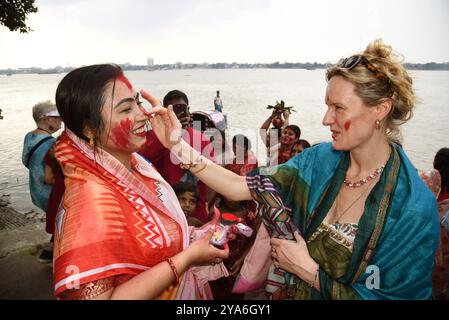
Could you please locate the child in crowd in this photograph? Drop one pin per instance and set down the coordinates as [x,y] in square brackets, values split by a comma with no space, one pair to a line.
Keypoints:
[244,159]
[188,195]
[239,246]
[299,147]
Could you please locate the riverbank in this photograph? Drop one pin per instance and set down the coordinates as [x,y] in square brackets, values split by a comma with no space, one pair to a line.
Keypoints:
[22,236]
[20,231]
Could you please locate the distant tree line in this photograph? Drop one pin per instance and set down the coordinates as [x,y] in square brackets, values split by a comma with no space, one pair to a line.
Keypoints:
[427,66]
[275,65]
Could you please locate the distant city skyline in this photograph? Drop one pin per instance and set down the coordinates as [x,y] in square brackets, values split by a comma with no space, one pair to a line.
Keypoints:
[186,65]
[82,32]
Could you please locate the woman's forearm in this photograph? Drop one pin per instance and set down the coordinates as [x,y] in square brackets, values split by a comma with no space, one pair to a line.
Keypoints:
[264,132]
[311,275]
[286,122]
[151,283]
[223,181]
[49,177]
[266,123]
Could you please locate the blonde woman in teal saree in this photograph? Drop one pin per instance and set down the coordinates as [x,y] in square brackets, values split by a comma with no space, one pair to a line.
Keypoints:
[350,219]
[387,254]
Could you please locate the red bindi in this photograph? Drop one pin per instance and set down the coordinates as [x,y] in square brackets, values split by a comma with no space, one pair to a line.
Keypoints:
[347,125]
[120,134]
[125,80]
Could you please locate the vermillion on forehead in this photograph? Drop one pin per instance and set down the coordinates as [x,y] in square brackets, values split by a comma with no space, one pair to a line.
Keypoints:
[125,80]
[121,133]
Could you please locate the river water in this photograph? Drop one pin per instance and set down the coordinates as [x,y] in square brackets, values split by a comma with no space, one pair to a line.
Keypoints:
[245,94]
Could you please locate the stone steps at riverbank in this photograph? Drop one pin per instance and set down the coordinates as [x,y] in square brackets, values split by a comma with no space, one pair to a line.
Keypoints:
[22,236]
[20,232]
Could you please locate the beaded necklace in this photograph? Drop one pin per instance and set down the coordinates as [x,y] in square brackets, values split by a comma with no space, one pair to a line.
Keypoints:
[361,182]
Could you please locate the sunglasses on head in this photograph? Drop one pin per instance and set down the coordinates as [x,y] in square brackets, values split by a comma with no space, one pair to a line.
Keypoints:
[353,61]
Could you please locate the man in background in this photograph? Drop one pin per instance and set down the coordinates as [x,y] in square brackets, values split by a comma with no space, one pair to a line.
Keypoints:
[36,144]
[160,157]
[218,103]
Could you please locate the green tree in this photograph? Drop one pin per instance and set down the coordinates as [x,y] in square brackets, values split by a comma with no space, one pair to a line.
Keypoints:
[13,14]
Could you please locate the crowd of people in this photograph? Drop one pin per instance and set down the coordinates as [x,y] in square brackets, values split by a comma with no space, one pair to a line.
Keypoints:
[133,196]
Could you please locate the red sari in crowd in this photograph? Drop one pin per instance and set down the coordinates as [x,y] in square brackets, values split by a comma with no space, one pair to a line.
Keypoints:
[441,273]
[440,276]
[57,191]
[114,223]
[249,163]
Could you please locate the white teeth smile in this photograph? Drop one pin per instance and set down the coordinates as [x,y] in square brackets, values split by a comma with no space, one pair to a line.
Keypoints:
[140,130]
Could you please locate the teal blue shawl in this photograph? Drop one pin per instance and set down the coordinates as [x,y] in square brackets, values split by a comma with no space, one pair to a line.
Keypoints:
[398,231]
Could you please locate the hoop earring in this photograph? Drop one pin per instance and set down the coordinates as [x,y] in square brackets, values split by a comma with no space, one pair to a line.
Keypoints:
[377,124]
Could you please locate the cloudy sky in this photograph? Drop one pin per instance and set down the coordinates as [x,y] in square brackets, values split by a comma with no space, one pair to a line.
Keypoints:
[79,32]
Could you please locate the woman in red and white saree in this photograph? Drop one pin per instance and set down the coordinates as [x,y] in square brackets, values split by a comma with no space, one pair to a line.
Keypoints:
[120,231]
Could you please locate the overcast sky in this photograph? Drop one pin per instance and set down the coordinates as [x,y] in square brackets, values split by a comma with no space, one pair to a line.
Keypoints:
[80,32]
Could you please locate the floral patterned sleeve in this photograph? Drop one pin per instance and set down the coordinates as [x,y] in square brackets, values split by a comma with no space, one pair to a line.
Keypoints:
[93,289]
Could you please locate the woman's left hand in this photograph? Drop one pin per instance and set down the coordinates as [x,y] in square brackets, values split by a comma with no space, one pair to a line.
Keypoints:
[293,256]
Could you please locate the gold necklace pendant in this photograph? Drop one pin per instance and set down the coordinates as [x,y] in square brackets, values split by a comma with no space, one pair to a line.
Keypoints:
[339,216]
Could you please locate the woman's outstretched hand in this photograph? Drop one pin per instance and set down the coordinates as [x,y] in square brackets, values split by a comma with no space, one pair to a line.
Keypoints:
[164,122]
[204,253]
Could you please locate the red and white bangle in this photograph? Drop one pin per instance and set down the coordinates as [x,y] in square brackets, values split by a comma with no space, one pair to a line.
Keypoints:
[174,270]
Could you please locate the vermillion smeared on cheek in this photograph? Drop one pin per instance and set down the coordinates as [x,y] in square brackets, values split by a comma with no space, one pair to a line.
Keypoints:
[121,133]
[125,80]
[347,125]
